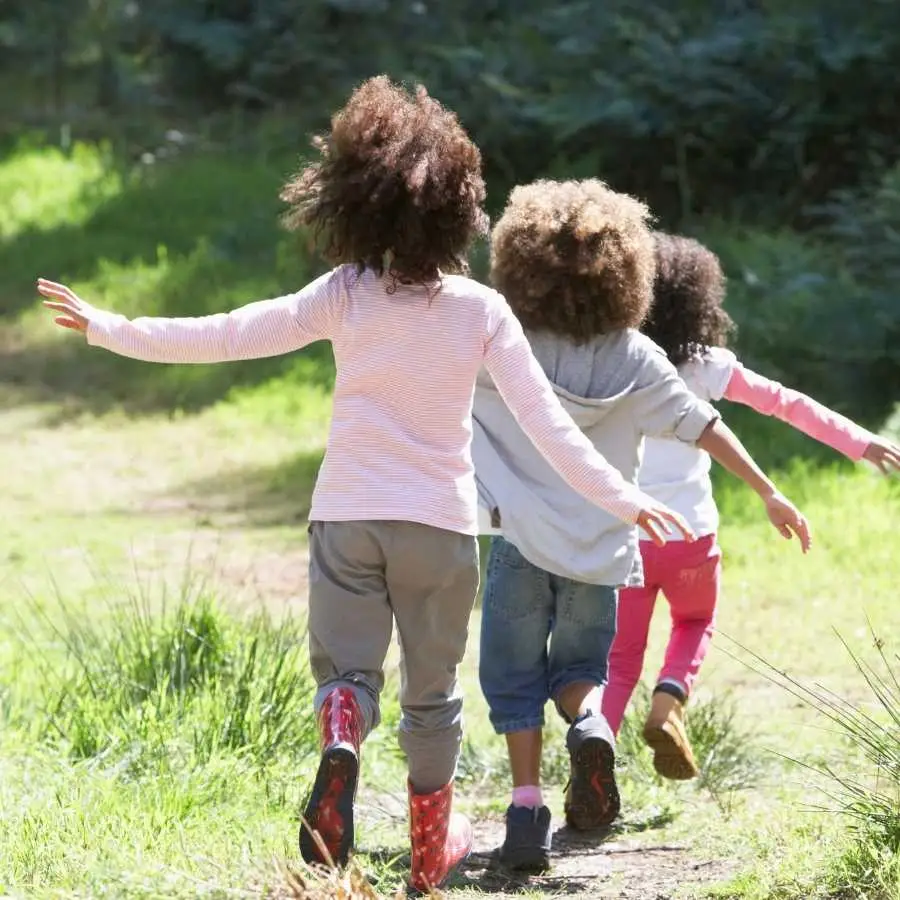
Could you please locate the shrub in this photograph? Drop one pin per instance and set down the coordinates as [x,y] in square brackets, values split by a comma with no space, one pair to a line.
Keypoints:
[189,682]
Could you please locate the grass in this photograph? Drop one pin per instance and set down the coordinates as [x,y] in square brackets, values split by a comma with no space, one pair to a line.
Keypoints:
[155,734]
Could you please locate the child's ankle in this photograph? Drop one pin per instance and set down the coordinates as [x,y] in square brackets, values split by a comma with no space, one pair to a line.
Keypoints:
[528,795]
[673,688]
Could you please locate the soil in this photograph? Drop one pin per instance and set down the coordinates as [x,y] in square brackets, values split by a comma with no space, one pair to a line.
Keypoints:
[584,867]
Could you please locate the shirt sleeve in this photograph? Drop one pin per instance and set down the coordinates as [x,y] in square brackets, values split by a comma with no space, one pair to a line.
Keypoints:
[265,328]
[807,415]
[667,406]
[527,391]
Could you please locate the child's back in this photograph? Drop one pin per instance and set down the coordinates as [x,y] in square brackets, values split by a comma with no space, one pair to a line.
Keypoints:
[401,427]
[617,387]
[676,473]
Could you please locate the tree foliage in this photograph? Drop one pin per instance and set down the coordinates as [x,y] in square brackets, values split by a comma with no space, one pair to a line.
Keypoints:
[775,112]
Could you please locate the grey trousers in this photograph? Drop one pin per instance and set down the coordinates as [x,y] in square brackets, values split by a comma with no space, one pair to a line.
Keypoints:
[364,576]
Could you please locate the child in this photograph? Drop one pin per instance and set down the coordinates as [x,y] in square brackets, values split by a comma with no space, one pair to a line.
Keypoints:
[575,261]
[397,198]
[688,322]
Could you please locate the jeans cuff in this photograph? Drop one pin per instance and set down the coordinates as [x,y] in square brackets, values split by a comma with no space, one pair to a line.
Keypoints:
[507,726]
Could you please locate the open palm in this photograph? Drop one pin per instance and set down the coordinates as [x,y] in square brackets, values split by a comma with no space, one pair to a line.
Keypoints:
[73,311]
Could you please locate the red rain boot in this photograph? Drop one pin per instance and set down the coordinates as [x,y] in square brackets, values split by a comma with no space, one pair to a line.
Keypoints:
[440,839]
[330,807]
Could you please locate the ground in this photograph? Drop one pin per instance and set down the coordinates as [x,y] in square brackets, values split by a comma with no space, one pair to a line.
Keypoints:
[111,497]
[155,732]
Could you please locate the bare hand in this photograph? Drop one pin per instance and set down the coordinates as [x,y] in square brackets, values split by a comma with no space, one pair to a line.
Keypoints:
[61,299]
[788,520]
[883,454]
[657,520]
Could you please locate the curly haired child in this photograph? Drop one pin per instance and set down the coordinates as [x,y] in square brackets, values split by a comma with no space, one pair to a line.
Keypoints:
[688,322]
[575,261]
[395,199]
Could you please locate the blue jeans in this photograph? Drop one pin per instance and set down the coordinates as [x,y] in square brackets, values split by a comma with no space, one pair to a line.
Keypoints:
[539,633]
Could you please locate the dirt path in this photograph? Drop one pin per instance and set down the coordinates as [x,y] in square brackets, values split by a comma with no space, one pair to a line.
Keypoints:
[619,868]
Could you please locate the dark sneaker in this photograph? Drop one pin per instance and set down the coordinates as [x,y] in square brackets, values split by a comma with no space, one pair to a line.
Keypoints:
[592,798]
[527,844]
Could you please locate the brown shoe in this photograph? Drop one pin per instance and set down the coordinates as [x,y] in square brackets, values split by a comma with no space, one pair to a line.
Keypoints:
[664,731]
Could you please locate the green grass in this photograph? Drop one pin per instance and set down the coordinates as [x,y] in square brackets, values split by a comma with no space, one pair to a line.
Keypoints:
[155,727]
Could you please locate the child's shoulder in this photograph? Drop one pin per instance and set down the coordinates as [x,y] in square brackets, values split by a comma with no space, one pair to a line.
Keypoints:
[709,372]
[711,359]
[465,286]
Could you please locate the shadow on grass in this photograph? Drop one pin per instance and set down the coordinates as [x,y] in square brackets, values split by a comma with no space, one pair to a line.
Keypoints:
[228,200]
[84,379]
[481,872]
[266,497]
[188,237]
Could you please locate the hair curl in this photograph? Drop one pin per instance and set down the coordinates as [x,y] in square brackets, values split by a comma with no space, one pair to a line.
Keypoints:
[398,179]
[574,258]
[686,317]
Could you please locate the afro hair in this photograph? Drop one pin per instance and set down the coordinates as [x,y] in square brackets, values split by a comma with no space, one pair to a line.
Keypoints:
[686,317]
[398,179]
[574,258]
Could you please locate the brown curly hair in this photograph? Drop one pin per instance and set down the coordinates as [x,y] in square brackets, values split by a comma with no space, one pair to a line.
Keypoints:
[574,258]
[398,179]
[686,317]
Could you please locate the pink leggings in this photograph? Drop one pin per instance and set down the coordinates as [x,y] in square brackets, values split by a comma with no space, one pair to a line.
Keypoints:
[688,576]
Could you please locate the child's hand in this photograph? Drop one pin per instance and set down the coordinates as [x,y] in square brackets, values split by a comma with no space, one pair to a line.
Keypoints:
[883,454]
[788,519]
[74,311]
[657,521]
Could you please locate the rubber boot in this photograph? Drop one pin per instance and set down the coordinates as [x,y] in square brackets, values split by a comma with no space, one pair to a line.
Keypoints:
[329,810]
[440,838]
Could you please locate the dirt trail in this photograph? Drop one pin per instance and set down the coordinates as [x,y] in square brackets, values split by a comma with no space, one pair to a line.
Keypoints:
[620,868]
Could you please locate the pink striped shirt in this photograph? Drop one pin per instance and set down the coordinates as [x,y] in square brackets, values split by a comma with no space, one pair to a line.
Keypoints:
[399,446]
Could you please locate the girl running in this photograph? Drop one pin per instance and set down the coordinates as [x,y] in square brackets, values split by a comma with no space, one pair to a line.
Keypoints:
[688,322]
[395,198]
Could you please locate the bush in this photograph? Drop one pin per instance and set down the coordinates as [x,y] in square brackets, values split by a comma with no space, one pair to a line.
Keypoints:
[805,318]
[189,683]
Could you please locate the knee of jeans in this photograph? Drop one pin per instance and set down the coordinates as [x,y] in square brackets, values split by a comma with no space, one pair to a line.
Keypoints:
[583,674]
[446,715]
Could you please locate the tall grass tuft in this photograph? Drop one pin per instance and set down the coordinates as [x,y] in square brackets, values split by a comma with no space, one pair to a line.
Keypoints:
[149,681]
[865,790]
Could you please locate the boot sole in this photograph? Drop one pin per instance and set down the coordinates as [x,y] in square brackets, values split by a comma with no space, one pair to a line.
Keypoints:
[594,798]
[670,759]
[338,763]
[526,859]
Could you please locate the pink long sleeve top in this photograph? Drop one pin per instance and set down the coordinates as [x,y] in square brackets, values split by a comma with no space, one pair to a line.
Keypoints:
[399,445]
[677,474]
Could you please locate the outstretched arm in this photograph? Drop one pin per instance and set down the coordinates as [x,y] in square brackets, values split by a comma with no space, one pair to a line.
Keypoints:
[527,391]
[720,442]
[812,418]
[265,328]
